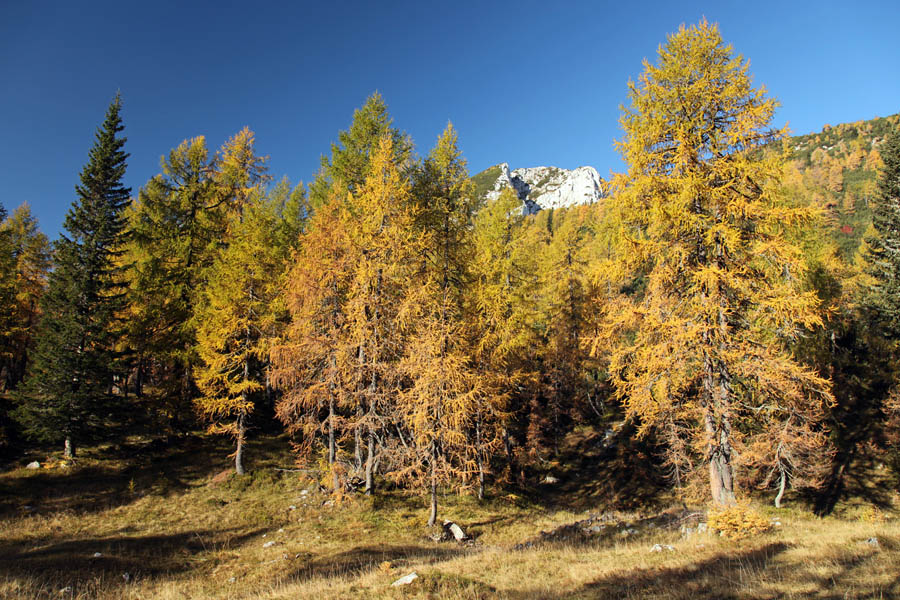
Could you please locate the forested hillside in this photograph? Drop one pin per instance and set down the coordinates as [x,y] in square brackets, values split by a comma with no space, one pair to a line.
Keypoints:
[839,167]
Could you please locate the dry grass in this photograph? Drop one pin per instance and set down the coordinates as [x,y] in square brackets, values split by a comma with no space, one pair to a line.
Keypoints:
[154,517]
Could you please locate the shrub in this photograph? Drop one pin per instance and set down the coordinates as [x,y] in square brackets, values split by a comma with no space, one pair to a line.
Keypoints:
[738,521]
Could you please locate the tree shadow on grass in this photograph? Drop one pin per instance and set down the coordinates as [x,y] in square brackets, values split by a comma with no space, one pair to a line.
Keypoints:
[123,473]
[618,473]
[72,562]
[749,575]
[361,559]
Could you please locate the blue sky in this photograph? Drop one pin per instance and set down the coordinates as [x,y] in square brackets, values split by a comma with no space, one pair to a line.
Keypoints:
[529,83]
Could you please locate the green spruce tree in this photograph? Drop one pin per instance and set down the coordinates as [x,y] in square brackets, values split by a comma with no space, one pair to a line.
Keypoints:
[351,154]
[883,262]
[68,392]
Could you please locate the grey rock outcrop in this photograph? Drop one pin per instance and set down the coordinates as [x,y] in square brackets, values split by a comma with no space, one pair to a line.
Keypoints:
[550,187]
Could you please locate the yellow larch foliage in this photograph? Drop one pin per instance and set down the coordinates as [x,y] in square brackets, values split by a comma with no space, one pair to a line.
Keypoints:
[714,294]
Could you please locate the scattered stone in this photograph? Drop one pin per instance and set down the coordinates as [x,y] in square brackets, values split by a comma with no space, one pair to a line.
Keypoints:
[33,465]
[304,492]
[281,530]
[456,531]
[661,547]
[328,503]
[550,479]
[406,579]
[873,541]
[777,523]
[232,579]
[268,544]
[597,528]
[292,507]
[66,590]
[98,554]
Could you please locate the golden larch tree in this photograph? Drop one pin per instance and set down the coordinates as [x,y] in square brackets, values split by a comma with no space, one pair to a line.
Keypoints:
[439,406]
[311,362]
[715,295]
[385,246]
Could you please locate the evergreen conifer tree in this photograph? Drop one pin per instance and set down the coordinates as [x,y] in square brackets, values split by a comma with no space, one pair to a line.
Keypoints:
[68,391]
[884,247]
[351,155]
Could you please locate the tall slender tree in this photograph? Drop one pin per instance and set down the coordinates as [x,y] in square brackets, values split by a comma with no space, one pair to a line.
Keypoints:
[440,405]
[311,361]
[176,224]
[239,315]
[707,232]
[68,392]
[385,248]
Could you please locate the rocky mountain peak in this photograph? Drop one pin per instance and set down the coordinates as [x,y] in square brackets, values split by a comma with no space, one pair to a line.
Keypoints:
[544,187]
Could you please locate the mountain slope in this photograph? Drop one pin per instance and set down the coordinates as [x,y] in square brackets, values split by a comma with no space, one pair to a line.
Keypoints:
[838,166]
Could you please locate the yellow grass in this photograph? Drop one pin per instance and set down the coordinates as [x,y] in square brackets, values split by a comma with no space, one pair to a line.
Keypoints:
[178,537]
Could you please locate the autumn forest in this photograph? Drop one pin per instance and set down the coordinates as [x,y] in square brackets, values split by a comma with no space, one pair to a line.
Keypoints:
[724,322]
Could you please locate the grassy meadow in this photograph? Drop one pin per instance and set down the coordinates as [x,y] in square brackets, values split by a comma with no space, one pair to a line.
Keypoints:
[143,521]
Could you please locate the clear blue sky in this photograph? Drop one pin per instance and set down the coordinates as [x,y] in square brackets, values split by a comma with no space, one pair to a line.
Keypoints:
[529,83]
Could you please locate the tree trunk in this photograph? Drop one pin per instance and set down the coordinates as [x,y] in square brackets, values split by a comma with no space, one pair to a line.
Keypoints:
[781,485]
[721,473]
[370,461]
[239,453]
[479,457]
[332,450]
[432,516]
[357,444]
[69,452]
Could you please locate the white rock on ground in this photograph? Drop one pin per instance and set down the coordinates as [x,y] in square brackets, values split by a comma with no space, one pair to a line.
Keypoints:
[406,579]
[33,465]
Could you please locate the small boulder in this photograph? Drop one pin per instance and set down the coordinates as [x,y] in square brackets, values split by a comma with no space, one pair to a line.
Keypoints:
[98,554]
[550,479]
[406,579]
[268,544]
[456,531]
[33,465]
